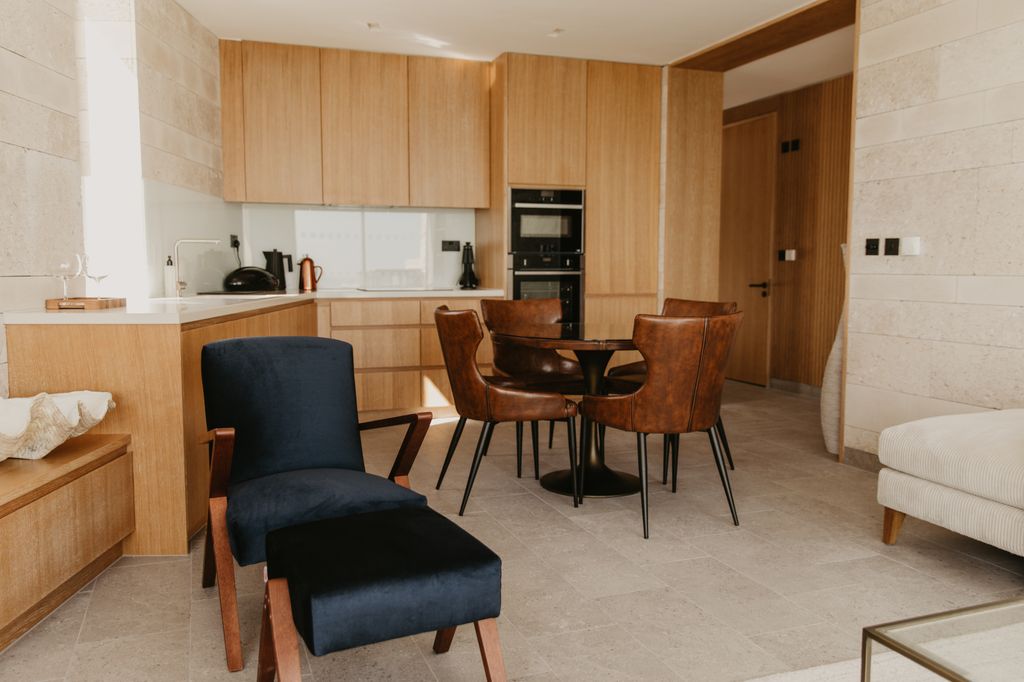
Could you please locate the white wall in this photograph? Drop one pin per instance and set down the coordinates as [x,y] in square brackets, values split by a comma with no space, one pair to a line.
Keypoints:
[940,155]
[40,203]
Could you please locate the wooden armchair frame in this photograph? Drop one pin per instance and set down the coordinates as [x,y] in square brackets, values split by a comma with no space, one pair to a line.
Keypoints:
[218,562]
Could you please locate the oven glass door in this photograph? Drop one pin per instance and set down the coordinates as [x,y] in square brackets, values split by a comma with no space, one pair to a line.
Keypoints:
[567,288]
[547,229]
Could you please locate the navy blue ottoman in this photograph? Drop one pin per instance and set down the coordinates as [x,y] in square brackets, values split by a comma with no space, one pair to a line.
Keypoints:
[346,582]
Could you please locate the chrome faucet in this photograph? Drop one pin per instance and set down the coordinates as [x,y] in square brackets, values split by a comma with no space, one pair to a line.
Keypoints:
[179,285]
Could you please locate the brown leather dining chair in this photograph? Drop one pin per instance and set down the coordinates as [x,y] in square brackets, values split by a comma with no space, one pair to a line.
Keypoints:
[682,391]
[491,400]
[530,368]
[635,372]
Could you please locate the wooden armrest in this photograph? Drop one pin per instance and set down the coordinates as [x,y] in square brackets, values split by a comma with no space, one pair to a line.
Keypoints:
[418,423]
[222,449]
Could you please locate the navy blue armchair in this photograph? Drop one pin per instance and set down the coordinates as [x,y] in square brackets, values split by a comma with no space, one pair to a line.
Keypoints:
[286,449]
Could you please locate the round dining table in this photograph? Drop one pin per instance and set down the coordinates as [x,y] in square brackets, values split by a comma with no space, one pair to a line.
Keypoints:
[593,354]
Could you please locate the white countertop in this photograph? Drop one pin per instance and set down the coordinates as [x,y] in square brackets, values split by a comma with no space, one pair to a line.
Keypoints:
[198,308]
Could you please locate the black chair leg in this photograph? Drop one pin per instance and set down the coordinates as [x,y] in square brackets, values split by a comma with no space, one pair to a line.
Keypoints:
[519,449]
[451,449]
[675,460]
[551,434]
[573,465]
[666,440]
[535,434]
[641,453]
[720,427]
[481,450]
[723,473]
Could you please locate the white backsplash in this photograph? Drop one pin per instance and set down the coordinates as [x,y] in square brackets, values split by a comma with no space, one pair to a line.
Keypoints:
[373,248]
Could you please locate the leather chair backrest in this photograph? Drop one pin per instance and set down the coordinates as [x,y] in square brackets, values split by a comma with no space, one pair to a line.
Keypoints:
[681,307]
[686,359]
[290,399]
[460,334]
[515,317]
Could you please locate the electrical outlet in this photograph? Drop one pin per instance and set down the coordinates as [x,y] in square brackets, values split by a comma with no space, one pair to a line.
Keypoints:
[449,244]
[782,254]
[871,247]
[892,246]
[234,241]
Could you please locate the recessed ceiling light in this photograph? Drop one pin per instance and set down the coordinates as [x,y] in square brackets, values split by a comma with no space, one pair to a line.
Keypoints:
[555,33]
[373,26]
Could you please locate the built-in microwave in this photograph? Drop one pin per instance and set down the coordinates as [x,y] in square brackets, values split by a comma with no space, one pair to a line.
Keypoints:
[546,221]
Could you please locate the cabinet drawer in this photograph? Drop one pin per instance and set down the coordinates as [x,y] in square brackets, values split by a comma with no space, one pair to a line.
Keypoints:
[437,392]
[382,348]
[387,390]
[374,313]
[428,307]
[431,355]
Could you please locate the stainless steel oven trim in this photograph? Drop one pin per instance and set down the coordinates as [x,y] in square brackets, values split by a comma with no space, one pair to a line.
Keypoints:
[547,272]
[574,207]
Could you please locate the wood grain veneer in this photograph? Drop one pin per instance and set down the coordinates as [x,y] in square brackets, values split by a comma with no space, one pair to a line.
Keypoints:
[798,26]
[232,120]
[449,157]
[365,128]
[281,101]
[623,151]
[611,317]
[491,225]
[547,121]
[693,184]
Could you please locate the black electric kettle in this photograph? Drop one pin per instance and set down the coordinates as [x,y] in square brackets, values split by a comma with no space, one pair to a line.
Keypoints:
[275,265]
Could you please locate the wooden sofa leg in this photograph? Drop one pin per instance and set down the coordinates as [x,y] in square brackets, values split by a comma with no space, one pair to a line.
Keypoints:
[443,640]
[490,649]
[225,571]
[891,525]
[279,642]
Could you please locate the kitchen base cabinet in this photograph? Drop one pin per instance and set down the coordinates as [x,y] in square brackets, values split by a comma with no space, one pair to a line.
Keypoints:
[397,354]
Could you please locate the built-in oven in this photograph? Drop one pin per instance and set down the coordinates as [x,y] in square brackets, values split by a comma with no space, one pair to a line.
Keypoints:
[546,221]
[560,276]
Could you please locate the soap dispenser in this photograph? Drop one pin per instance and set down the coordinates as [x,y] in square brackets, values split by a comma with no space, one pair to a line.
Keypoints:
[170,279]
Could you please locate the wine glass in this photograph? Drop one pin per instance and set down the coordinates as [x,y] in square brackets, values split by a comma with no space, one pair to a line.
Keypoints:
[95,270]
[67,268]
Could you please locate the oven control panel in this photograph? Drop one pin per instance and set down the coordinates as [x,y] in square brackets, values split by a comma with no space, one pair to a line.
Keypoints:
[568,262]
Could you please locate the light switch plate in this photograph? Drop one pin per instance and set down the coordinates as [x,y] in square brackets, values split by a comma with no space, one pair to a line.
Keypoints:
[790,254]
[910,246]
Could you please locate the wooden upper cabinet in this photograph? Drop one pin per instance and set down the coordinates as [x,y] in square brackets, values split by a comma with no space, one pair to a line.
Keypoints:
[623,160]
[365,128]
[547,121]
[448,132]
[281,103]
[232,133]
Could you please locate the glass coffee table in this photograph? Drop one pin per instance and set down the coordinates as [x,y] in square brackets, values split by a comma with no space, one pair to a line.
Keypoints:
[984,642]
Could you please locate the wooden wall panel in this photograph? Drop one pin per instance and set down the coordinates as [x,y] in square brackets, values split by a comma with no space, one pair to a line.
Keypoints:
[547,119]
[693,184]
[623,152]
[365,128]
[449,158]
[811,217]
[611,317]
[491,229]
[281,100]
[232,121]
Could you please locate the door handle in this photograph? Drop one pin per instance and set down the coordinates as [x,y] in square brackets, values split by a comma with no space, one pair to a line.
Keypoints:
[760,285]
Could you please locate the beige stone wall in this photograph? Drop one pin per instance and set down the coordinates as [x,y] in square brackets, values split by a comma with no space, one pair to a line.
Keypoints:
[179,97]
[40,200]
[940,155]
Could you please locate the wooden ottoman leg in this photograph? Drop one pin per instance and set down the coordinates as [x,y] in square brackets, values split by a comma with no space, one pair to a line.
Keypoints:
[443,640]
[490,649]
[891,525]
[279,643]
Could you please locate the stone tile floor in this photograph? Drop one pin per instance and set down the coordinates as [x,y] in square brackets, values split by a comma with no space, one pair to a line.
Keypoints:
[585,597]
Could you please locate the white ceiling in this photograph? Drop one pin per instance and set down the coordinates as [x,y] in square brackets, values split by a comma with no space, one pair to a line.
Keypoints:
[640,31]
[817,60]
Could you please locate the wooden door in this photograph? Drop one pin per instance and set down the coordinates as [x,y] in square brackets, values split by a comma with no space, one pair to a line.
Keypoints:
[748,219]
[281,105]
[547,121]
[449,156]
[366,128]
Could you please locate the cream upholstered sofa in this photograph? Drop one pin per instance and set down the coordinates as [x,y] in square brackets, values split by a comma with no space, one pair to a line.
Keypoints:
[963,472]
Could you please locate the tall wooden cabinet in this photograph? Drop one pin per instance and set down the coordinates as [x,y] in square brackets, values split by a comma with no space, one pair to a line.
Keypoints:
[365,114]
[281,105]
[547,121]
[448,132]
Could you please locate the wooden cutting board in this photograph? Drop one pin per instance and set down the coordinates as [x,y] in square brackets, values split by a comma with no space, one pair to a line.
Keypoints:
[84,303]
